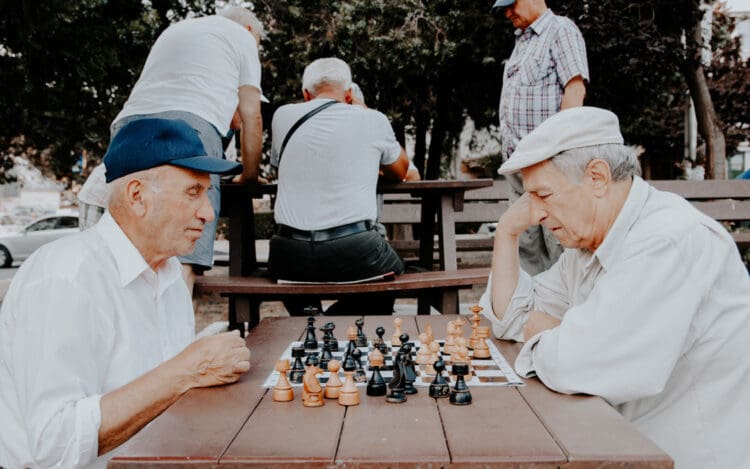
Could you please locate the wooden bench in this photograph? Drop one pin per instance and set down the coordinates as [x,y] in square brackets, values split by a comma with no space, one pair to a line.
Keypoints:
[435,288]
[724,200]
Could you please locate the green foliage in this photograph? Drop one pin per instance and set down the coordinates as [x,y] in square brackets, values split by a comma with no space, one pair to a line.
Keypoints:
[67,67]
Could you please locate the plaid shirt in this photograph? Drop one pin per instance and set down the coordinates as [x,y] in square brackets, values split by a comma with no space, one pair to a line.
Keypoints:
[548,54]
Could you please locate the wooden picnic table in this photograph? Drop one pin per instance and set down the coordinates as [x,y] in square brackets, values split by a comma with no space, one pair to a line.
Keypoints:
[441,200]
[239,425]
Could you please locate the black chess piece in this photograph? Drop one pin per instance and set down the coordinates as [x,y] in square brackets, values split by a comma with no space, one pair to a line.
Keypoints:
[311,342]
[439,386]
[404,338]
[361,337]
[410,371]
[350,347]
[297,371]
[398,382]
[359,376]
[379,342]
[460,394]
[331,338]
[376,386]
[326,356]
[349,363]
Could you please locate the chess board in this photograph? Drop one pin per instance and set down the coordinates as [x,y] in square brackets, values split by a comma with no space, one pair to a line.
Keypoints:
[493,371]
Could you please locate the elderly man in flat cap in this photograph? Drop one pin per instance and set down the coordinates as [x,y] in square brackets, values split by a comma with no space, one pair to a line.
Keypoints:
[649,304]
[546,72]
[96,328]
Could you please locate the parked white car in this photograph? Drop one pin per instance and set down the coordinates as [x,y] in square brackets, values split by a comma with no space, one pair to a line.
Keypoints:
[19,245]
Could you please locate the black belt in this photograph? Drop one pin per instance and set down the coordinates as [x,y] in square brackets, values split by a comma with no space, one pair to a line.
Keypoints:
[324,235]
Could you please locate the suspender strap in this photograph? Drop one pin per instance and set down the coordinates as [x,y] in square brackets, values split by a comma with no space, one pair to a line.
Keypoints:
[302,121]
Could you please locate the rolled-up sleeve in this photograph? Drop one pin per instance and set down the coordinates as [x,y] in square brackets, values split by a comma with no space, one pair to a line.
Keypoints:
[546,292]
[58,385]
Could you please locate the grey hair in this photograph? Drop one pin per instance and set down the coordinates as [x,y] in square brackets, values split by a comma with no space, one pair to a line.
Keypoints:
[243,17]
[326,71]
[622,161]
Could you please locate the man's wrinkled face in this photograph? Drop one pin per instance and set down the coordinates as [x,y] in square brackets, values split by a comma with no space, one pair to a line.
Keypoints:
[520,14]
[180,208]
[567,209]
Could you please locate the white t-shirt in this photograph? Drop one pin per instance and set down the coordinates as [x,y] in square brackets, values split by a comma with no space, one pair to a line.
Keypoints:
[329,170]
[656,321]
[197,65]
[84,316]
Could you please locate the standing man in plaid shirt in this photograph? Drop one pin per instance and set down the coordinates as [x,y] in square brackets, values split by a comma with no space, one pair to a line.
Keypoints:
[546,72]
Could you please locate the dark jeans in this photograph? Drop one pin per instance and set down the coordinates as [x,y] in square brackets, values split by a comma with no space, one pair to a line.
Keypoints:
[358,256]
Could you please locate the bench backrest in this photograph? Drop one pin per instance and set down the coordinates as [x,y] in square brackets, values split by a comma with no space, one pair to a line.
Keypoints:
[727,200]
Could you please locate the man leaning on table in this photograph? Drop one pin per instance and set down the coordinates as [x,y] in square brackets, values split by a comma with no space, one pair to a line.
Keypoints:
[649,304]
[96,328]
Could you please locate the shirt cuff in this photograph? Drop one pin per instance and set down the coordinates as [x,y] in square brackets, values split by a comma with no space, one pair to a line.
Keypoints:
[88,420]
[525,360]
[514,317]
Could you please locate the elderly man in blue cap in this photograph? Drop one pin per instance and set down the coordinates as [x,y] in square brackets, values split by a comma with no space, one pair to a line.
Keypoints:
[546,72]
[97,328]
[649,304]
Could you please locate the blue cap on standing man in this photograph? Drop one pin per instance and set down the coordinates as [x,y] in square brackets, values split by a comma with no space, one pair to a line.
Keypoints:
[503,3]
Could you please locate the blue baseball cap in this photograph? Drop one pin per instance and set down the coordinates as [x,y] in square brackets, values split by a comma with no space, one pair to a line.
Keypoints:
[148,143]
[503,3]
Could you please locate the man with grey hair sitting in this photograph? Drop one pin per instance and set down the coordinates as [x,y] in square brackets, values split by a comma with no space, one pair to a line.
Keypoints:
[97,329]
[649,304]
[328,151]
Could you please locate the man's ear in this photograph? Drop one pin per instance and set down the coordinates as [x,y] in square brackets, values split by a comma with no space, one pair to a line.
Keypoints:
[348,96]
[599,175]
[307,95]
[135,190]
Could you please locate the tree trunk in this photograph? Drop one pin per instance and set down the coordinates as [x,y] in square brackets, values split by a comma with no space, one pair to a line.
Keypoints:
[420,144]
[708,123]
[437,135]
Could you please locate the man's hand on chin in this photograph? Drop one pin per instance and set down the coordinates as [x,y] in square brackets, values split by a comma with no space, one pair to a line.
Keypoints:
[538,321]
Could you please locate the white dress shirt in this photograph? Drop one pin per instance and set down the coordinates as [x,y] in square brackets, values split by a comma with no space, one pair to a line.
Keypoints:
[656,321]
[83,316]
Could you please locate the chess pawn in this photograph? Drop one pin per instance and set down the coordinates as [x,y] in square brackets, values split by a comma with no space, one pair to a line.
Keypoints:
[474,339]
[333,385]
[423,354]
[376,386]
[295,375]
[430,335]
[434,356]
[351,334]
[359,375]
[460,394]
[334,342]
[349,394]
[361,340]
[482,351]
[439,386]
[311,342]
[379,342]
[396,332]
[450,339]
[461,353]
[283,391]
[312,395]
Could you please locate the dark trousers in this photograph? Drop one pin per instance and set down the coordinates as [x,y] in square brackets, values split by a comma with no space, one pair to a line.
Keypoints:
[361,255]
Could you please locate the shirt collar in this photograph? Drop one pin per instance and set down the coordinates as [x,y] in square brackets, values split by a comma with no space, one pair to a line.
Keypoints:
[539,25]
[130,263]
[612,244]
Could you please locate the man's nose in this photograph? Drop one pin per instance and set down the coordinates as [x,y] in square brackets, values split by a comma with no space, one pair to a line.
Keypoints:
[205,211]
[538,213]
[508,12]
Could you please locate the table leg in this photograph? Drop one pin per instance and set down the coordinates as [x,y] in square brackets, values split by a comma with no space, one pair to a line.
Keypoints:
[447,233]
[427,231]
